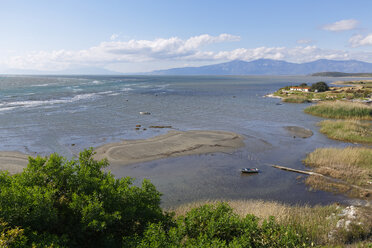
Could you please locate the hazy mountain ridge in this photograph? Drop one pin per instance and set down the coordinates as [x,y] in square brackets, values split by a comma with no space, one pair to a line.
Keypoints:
[340,74]
[271,67]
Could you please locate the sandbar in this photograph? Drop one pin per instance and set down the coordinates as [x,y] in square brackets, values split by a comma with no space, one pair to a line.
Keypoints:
[172,144]
[299,131]
[13,162]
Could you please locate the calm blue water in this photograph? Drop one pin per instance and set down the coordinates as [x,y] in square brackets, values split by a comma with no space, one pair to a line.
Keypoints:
[41,115]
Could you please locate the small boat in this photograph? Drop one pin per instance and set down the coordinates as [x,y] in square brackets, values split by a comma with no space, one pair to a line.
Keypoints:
[145,113]
[249,170]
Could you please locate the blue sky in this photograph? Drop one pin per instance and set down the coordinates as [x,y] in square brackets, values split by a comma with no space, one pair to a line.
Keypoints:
[138,36]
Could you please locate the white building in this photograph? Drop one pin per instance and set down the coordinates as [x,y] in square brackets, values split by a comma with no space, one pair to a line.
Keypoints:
[298,88]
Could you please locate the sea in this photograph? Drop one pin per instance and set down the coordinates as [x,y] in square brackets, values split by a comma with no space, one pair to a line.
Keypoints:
[40,115]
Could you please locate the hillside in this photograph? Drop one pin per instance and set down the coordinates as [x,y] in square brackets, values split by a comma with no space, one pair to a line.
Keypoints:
[340,74]
[270,67]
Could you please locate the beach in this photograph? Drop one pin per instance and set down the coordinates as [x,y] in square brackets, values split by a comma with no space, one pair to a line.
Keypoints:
[14,162]
[172,144]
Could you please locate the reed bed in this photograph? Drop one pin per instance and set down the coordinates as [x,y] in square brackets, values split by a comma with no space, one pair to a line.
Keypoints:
[341,110]
[347,130]
[352,164]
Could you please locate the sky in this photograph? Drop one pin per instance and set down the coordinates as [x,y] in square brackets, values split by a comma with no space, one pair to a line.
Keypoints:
[146,35]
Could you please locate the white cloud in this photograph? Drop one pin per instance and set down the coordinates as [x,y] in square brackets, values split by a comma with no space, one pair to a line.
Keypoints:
[118,51]
[298,54]
[114,36]
[342,25]
[304,41]
[172,51]
[360,40]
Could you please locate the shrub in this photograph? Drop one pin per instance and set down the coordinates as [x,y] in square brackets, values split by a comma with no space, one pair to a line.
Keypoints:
[319,86]
[218,226]
[76,201]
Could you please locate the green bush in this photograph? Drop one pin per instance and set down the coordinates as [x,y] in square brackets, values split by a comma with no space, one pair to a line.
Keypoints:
[218,226]
[11,237]
[319,86]
[61,203]
[76,201]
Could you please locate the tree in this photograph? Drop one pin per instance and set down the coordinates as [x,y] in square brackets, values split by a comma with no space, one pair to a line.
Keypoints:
[75,204]
[303,85]
[320,87]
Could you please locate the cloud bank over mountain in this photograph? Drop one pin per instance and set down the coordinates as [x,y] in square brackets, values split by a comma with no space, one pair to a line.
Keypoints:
[190,50]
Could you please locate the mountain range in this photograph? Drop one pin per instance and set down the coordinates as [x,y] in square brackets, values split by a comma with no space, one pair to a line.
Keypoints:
[235,67]
[271,67]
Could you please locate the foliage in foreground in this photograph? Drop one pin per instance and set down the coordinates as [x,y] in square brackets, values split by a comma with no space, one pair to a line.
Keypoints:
[341,110]
[76,204]
[218,226]
[60,203]
[347,130]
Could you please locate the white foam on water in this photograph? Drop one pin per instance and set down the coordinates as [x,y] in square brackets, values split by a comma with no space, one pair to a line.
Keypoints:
[105,92]
[126,89]
[6,109]
[36,103]
[40,85]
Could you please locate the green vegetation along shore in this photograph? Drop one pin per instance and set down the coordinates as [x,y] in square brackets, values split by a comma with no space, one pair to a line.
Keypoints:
[59,203]
[347,130]
[341,110]
[361,90]
[352,166]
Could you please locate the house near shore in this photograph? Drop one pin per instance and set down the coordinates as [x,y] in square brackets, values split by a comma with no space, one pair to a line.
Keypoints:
[299,88]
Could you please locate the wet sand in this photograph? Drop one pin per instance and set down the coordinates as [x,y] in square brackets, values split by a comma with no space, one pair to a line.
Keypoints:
[172,144]
[14,162]
[299,132]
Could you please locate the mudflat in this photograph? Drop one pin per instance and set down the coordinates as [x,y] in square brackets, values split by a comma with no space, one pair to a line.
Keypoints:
[299,131]
[14,162]
[172,144]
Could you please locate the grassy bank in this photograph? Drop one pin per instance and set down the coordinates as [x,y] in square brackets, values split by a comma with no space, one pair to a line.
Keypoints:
[341,110]
[347,130]
[357,91]
[319,222]
[366,83]
[296,99]
[347,170]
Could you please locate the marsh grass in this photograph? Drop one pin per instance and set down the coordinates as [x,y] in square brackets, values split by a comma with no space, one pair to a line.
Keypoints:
[341,110]
[347,130]
[296,99]
[352,164]
[318,221]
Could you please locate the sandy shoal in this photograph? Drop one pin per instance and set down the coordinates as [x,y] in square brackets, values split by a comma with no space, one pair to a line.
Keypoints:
[299,131]
[172,144]
[14,162]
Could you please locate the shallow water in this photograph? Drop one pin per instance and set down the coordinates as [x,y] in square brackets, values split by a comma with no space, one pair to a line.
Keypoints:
[41,115]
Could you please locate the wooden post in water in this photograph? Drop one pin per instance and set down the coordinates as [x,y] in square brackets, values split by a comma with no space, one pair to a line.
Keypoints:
[295,170]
